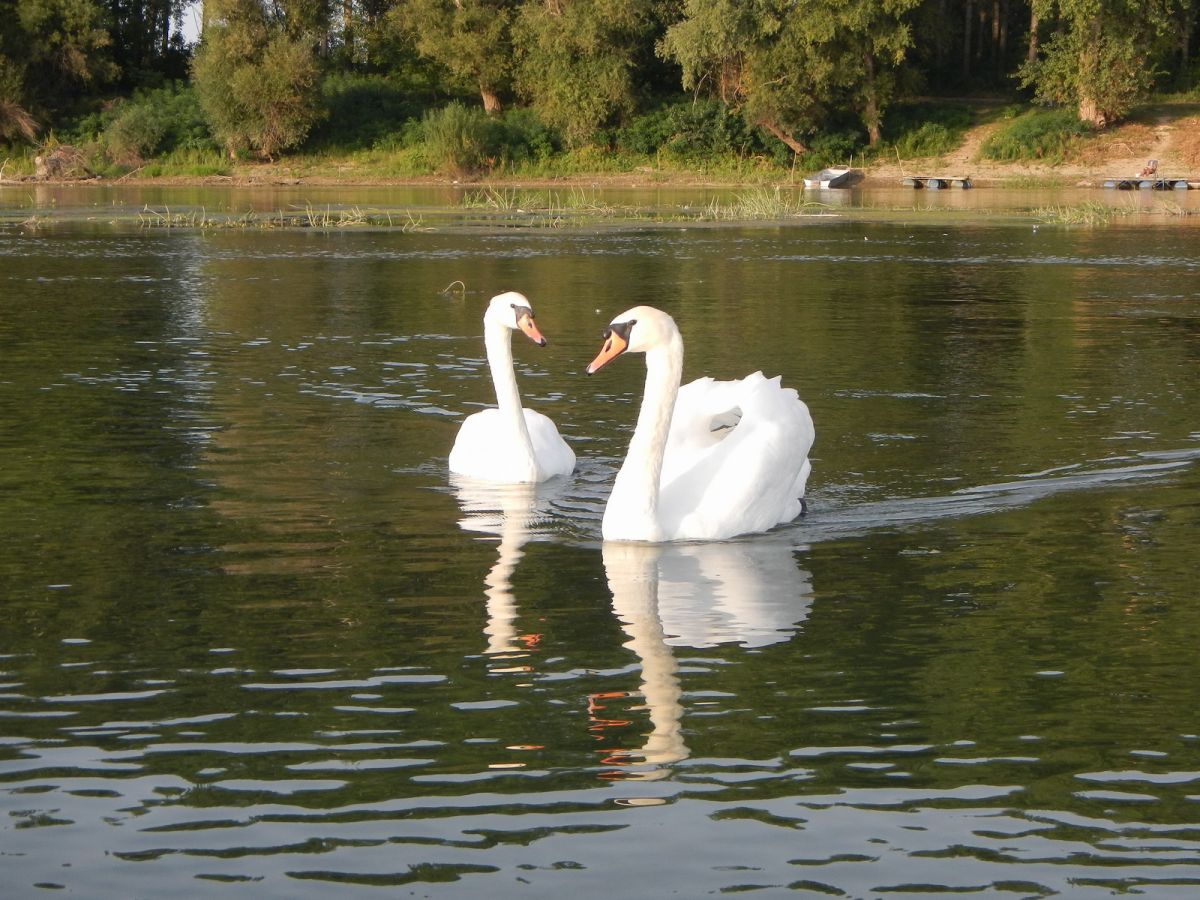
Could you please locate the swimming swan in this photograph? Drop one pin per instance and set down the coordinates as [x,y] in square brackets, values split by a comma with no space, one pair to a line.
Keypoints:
[509,443]
[707,461]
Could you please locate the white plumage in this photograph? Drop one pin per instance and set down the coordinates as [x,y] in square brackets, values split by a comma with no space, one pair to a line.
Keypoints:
[509,443]
[710,460]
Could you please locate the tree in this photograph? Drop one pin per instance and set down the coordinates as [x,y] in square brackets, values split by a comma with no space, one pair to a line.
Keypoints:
[146,38]
[470,39]
[863,43]
[1101,57]
[48,50]
[576,60]
[258,86]
[780,63]
[716,44]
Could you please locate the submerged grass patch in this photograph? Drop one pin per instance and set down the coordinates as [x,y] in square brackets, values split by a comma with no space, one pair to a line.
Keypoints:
[1092,212]
[308,217]
[762,203]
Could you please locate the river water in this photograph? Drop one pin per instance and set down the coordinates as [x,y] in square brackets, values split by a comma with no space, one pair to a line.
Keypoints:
[256,642]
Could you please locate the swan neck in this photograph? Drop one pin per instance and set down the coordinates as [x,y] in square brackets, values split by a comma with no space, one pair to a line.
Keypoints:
[497,339]
[664,365]
[635,491]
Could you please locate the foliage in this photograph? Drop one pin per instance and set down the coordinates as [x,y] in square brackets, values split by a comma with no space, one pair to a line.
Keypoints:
[462,140]
[1102,60]
[361,111]
[146,43]
[783,63]
[15,121]
[831,148]
[1046,135]
[156,122]
[49,50]
[689,130]
[575,62]
[257,85]
[609,80]
[458,138]
[920,130]
[192,163]
[522,136]
[469,39]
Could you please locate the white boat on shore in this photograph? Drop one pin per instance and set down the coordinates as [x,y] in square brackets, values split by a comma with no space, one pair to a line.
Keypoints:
[835,177]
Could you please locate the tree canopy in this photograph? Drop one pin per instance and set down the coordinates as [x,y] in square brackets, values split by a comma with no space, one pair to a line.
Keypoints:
[792,69]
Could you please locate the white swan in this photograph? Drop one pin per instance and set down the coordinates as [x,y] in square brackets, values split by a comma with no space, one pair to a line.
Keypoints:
[708,461]
[509,443]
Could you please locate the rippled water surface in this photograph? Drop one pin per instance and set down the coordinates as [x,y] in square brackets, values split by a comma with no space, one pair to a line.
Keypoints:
[256,642]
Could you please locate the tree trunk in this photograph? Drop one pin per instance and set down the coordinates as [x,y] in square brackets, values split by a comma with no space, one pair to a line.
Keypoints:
[491,101]
[1089,109]
[1034,22]
[870,111]
[1002,58]
[997,53]
[1091,113]
[966,55]
[794,145]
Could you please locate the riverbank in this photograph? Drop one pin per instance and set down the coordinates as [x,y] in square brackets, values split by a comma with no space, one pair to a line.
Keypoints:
[1168,133]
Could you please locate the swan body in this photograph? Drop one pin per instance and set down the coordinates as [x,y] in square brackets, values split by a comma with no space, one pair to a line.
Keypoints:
[710,460]
[509,443]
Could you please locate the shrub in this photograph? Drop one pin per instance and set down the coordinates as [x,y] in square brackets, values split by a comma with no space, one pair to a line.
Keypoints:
[135,134]
[924,129]
[690,130]
[458,138]
[522,136]
[931,139]
[152,123]
[361,111]
[831,148]
[1047,135]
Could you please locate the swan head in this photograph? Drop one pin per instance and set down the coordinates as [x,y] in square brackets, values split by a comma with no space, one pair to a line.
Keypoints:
[512,310]
[636,330]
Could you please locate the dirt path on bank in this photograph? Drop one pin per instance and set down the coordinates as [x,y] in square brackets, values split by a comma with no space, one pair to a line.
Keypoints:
[1169,133]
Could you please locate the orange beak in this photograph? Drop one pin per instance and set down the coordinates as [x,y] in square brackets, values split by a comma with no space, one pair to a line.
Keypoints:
[526,324]
[614,346]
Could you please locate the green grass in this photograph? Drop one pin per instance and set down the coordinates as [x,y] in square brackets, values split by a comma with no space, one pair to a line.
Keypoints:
[1091,213]
[1048,136]
[761,203]
[187,164]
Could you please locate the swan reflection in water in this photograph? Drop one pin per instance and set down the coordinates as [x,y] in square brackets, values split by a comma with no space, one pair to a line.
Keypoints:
[516,514]
[748,592]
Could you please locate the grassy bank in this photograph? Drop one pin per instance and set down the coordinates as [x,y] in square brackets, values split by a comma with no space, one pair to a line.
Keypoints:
[160,138]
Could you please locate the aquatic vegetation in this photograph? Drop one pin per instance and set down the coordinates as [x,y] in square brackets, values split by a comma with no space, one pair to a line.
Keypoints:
[762,203]
[1092,212]
[308,217]
[1095,212]
[504,199]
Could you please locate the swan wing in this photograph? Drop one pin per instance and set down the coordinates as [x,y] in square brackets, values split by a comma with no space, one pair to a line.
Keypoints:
[730,480]
[554,456]
[706,412]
